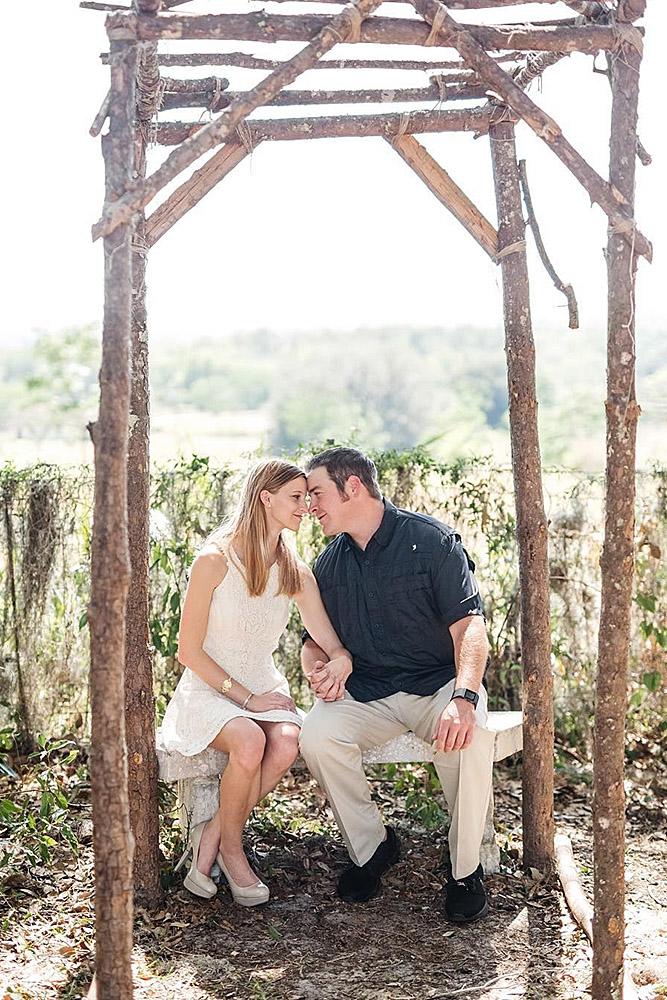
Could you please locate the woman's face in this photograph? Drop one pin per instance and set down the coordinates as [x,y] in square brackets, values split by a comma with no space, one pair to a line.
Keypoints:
[287,505]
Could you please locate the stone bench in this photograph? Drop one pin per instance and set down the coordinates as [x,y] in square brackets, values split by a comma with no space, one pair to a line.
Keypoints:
[198,777]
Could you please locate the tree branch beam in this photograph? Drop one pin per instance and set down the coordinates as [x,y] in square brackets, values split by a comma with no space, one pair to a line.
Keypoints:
[610,199]
[447,191]
[343,27]
[385,125]
[293,98]
[246,61]
[262,27]
[193,190]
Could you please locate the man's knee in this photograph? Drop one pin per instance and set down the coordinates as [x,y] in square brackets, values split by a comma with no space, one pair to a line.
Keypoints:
[318,731]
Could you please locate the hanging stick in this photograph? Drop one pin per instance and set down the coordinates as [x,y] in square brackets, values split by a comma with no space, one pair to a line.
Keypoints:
[567,290]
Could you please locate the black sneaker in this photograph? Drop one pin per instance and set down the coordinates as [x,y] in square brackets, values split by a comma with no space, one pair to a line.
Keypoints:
[359,883]
[465,898]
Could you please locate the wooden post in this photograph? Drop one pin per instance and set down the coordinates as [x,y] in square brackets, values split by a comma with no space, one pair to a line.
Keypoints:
[538,739]
[139,700]
[110,569]
[617,562]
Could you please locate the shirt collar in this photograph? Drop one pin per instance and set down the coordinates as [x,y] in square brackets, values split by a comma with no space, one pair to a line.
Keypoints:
[384,533]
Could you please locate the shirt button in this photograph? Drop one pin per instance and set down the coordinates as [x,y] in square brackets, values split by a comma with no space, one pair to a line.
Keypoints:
[377,626]
[371,593]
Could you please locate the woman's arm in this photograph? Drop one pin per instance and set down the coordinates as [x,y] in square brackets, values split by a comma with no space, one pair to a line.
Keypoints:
[329,680]
[208,572]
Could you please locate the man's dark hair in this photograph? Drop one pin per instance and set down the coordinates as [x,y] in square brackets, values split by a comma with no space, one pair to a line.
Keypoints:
[341,463]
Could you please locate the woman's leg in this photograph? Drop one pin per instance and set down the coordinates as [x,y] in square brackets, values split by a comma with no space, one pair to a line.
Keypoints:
[282,749]
[244,742]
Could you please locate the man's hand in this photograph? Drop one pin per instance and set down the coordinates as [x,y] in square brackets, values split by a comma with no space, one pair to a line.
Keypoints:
[328,679]
[455,727]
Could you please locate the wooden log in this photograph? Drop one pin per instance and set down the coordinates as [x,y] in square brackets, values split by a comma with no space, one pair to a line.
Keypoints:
[139,699]
[193,190]
[577,902]
[617,561]
[343,26]
[532,535]
[610,200]
[100,117]
[339,126]
[453,4]
[447,192]
[262,27]
[246,61]
[110,567]
[567,290]
[295,98]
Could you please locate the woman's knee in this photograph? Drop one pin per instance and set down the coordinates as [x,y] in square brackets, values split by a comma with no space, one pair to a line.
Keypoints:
[246,744]
[283,744]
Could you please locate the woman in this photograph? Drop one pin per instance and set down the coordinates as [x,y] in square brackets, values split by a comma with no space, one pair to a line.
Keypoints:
[231,696]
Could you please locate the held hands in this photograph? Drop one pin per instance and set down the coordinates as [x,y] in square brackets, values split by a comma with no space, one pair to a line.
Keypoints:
[328,679]
[271,701]
[455,727]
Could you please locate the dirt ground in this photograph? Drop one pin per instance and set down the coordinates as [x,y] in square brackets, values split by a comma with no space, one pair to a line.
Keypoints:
[308,945]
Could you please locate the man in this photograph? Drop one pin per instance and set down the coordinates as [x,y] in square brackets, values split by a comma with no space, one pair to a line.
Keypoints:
[400,591]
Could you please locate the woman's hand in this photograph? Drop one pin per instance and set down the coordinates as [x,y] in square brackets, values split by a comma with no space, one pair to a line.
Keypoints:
[328,679]
[270,701]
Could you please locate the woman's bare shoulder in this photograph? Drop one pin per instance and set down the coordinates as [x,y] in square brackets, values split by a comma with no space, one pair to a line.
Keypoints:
[209,567]
[306,576]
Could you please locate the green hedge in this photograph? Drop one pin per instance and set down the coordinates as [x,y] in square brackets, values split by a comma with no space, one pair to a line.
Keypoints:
[49,510]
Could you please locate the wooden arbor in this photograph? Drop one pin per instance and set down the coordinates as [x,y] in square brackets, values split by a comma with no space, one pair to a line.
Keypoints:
[121,667]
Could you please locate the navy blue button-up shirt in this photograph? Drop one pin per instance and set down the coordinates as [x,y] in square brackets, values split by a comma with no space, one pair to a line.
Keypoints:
[393,603]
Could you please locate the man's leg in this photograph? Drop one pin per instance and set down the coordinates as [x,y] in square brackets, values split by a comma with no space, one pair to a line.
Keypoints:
[465,775]
[333,737]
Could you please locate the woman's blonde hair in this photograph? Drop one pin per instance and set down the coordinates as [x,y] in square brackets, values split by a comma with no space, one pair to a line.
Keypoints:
[248,525]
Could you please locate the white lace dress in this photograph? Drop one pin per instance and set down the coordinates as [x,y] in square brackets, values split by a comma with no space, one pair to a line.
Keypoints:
[241,636]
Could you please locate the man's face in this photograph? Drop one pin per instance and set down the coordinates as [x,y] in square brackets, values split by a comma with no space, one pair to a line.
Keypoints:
[330,508]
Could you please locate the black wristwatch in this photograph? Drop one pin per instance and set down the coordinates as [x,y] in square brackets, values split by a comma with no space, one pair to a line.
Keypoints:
[467,695]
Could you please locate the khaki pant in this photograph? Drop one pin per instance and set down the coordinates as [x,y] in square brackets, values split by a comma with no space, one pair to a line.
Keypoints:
[334,736]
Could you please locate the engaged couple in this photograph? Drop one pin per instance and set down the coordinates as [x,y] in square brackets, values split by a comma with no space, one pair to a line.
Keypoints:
[394,640]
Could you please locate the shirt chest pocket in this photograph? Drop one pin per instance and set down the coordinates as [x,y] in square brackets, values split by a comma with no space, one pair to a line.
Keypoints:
[409,603]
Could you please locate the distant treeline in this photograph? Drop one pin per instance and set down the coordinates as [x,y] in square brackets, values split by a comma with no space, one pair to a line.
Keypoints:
[389,388]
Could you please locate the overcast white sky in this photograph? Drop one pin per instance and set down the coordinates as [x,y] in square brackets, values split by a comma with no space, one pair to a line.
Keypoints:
[327,233]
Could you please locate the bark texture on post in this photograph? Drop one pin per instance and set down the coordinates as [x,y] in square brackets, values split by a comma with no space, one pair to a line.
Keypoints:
[110,568]
[538,739]
[139,701]
[617,561]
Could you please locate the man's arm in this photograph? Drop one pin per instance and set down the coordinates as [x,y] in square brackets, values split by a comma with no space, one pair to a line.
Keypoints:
[456,725]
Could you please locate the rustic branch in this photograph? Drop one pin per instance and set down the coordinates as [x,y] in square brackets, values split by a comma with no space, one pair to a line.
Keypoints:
[262,27]
[618,551]
[578,904]
[343,26]
[567,290]
[531,522]
[294,98]
[325,127]
[612,202]
[193,190]
[101,116]
[447,192]
[110,565]
[246,61]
